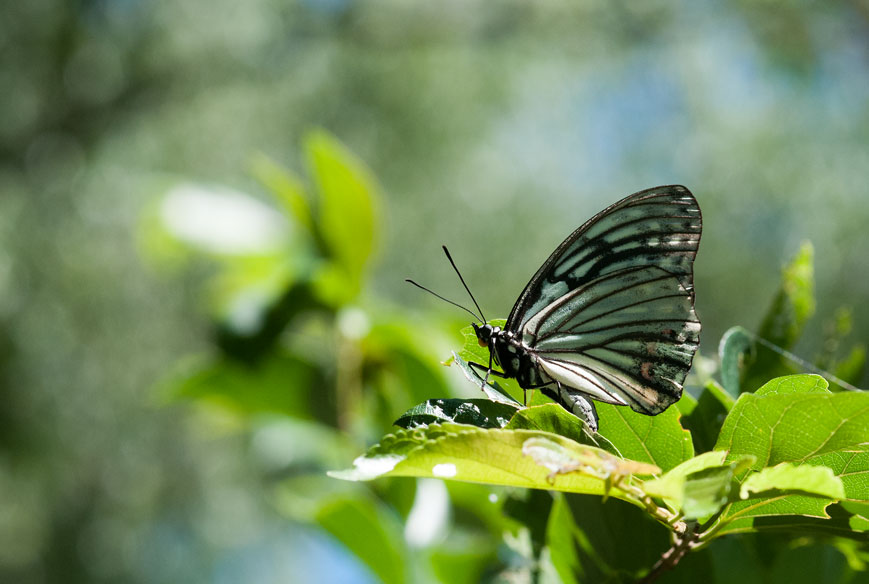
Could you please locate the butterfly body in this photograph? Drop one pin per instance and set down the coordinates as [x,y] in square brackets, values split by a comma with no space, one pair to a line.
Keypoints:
[515,358]
[610,315]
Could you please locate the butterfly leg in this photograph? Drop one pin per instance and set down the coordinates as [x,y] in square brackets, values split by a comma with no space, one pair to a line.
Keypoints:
[575,403]
[488,370]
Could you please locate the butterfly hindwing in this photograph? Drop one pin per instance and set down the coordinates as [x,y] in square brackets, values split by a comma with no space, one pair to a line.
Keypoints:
[626,338]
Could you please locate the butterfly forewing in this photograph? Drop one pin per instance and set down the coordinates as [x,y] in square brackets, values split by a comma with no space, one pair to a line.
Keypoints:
[626,338]
[657,227]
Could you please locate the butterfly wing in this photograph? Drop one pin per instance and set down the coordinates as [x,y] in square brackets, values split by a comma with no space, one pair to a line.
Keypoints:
[656,227]
[626,338]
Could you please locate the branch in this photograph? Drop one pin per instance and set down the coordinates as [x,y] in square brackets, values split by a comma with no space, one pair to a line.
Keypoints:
[682,544]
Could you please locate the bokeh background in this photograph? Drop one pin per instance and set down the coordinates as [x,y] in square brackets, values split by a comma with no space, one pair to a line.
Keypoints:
[141,146]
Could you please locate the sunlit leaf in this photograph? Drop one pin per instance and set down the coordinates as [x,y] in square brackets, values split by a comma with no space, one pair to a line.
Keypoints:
[658,440]
[466,453]
[699,486]
[808,479]
[555,419]
[471,349]
[348,201]
[780,424]
[286,188]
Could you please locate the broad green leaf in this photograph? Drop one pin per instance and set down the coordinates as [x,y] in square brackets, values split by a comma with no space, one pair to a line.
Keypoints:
[348,201]
[706,491]
[281,384]
[777,426]
[482,413]
[286,188]
[466,453]
[671,484]
[794,384]
[368,530]
[699,486]
[570,551]
[554,418]
[789,514]
[615,542]
[851,468]
[463,558]
[807,479]
[562,459]
[707,417]
[794,303]
[658,440]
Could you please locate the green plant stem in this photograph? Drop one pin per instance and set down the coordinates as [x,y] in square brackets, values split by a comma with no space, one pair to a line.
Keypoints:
[682,544]
[348,381]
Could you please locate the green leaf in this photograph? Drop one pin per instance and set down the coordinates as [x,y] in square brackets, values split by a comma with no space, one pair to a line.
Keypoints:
[686,404]
[781,425]
[471,349]
[466,453]
[794,303]
[808,479]
[369,531]
[794,384]
[658,440]
[851,367]
[554,418]
[493,390]
[699,486]
[611,543]
[570,550]
[567,458]
[706,491]
[850,468]
[707,417]
[282,384]
[286,188]
[796,419]
[782,326]
[348,197]
[482,413]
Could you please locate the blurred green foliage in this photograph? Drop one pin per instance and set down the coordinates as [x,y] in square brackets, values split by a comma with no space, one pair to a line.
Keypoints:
[492,128]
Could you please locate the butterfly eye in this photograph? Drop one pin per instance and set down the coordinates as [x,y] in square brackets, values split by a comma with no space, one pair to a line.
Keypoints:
[481,342]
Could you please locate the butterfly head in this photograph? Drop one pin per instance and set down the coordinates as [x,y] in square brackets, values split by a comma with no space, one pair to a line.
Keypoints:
[485,332]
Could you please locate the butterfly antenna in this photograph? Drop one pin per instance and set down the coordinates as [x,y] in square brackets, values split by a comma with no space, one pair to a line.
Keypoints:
[441,297]
[452,263]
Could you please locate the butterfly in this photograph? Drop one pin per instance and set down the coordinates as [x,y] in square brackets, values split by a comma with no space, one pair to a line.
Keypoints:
[610,315]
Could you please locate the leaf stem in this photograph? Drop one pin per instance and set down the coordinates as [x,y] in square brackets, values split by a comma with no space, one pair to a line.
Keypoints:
[682,544]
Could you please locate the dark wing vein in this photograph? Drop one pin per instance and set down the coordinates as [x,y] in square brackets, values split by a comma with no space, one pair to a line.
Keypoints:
[663,229]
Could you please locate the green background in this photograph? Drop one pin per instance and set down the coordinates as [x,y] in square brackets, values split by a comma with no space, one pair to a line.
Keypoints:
[494,128]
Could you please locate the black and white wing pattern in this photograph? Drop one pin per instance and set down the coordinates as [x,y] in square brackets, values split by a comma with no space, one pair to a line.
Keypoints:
[656,227]
[627,338]
[610,315]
